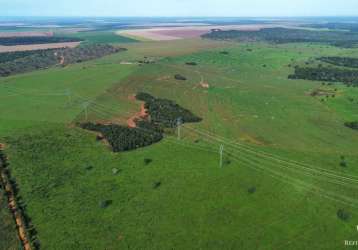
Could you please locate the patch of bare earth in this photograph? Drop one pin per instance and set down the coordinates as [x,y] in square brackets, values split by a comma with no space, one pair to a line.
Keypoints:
[26,34]
[141,115]
[204,85]
[175,33]
[38,46]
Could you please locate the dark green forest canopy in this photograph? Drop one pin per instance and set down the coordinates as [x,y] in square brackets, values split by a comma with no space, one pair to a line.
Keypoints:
[329,74]
[333,26]
[21,62]
[163,114]
[352,125]
[340,61]
[12,56]
[12,41]
[284,35]
[122,138]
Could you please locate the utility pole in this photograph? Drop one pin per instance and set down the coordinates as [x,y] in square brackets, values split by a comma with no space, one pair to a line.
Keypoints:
[179,123]
[85,106]
[68,93]
[221,151]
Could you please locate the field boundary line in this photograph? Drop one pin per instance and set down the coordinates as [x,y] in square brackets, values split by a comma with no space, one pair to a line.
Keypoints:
[18,212]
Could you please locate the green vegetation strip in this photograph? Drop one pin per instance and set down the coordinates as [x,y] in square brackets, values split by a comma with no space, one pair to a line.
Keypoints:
[340,61]
[12,41]
[348,77]
[283,35]
[26,230]
[46,58]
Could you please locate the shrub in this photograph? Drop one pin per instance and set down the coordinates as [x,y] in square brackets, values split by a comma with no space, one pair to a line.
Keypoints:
[343,214]
[89,167]
[343,164]
[157,184]
[147,161]
[352,125]
[191,63]
[251,190]
[105,204]
[180,77]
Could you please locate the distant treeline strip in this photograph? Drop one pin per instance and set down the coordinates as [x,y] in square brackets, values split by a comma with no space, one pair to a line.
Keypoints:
[341,61]
[328,74]
[12,56]
[21,62]
[12,41]
[344,39]
[26,231]
[334,26]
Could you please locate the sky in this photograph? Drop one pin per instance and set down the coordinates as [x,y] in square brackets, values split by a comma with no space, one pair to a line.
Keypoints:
[218,8]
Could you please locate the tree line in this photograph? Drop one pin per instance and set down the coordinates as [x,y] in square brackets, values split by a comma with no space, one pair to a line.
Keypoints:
[328,74]
[345,39]
[340,61]
[12,41]
[21,62]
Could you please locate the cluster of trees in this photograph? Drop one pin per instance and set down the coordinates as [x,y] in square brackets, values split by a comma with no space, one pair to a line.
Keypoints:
[340,61]
[283,35]
[343,214]
[180,77]
[165,113]
[352,125]
[11,56]
[334,26]
[348,77]
[11,41]
[21,62]
[122,138]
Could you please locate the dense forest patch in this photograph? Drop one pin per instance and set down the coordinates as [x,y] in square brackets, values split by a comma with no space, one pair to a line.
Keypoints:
[21,62]
[340,61]
[348,77]
[163,114]
[12,56]
[12,41]
[180,77]
[334,26]
[352,125]
[122,138]
[283,35]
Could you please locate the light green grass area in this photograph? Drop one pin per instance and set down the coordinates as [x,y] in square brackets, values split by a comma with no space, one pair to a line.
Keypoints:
[101,37]
[183,199]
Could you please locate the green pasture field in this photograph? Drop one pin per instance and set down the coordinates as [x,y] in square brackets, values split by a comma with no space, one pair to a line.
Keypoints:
[80,195]
[100,37]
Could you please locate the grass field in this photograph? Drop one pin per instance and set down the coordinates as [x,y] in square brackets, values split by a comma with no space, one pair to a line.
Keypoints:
[80,195]
[101,37]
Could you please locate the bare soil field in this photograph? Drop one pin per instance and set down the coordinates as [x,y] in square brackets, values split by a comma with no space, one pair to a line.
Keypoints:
[26,34]
[175,33]
[38,46]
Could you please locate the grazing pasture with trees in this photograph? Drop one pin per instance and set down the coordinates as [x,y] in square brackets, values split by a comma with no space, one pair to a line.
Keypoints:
[196,172]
